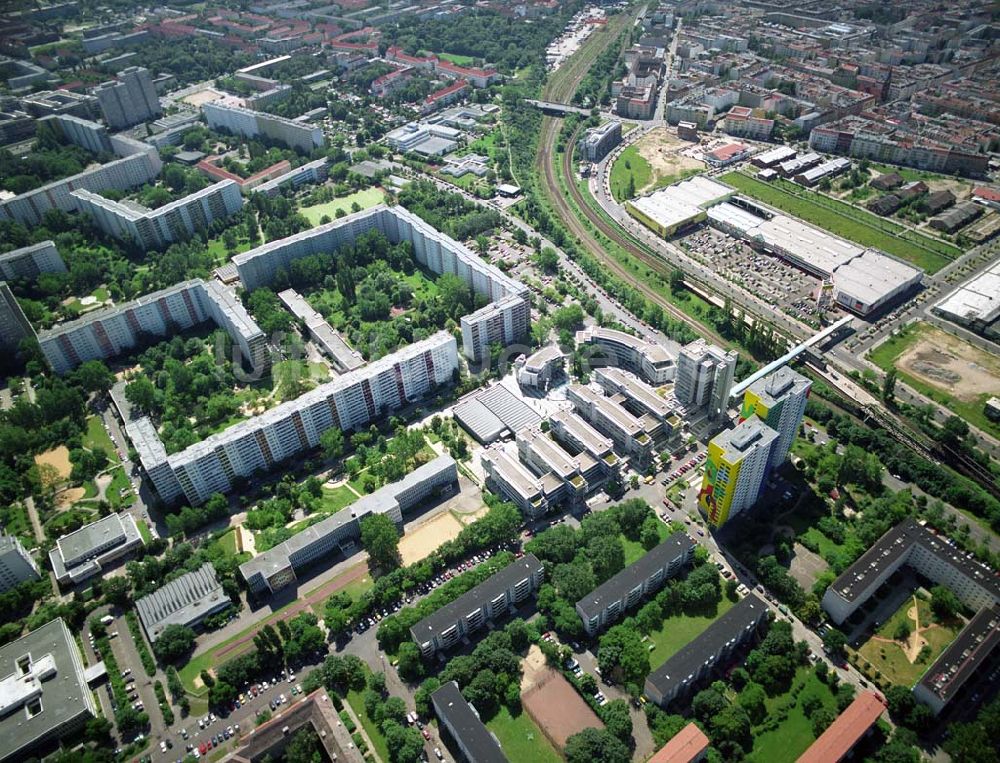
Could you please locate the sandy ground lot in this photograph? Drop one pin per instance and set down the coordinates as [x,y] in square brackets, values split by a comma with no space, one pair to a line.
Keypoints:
[68,497]
[952,365]
[202,97]
[57,457]
[421,543]
[552,702]
[662,151]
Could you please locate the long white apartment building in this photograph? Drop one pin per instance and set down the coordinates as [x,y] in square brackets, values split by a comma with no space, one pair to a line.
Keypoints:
[515,482]
[654,362]
[544,456]
[705,375]
[29,262]
[158,228]
[577,436]
[111,331]
[505,320]
[628,432]
[657,413]
[258,444]
[252,124]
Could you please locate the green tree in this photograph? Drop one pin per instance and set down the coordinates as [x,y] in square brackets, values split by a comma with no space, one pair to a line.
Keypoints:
[944,604]
[175,641]
[622,656]
[834,642]
[752,699]
[616,718]
[116,590]
[592,745]
[381,541]
[411,666]
[304,747]
[332,442]
[547,260]
[607,556]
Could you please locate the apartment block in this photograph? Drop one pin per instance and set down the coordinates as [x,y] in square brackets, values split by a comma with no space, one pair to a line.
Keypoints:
[515,482]
[908,543]
[44,691]
[598,141]
[112,331]
[657,414]
[29,262]
[689,745]
[650,360]
[311,172]
[779,400]
[16,564]
[48,103]
[82,553]
[14,325]
[349,403]
[439,253]
[577,436]
[128,100]
[694,663]
[609,602]
[254,124]
[705,376]
[277,567]
[545,457]
[322,334]
[629,433]
[473,739]
[736,469]
[492,599]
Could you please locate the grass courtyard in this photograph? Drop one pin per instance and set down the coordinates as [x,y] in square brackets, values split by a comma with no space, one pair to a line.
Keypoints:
[629,163]
[889,656]
[791,736]
[680,630]
[520,738]
[366,198]
[848,221]
[634,550]
[96,437]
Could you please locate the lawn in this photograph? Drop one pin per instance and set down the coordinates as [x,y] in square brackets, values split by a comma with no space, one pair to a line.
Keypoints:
[888,657]
[147,536]
[336,498]
[634,550]
[680,630]
[371,728]
[629,162]
[456,58]
[885,355]
[521,739]
[96,437]
[845,220]
[119,483]
[227,543]
[793,736]
[366,198]
[15,521]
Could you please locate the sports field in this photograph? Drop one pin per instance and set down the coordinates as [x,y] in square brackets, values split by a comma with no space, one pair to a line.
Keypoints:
[366,198]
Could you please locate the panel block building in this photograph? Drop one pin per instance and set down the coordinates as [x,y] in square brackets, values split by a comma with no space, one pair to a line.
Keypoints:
[705,376]
[505,320]
[640,580]
[736,468]
[256,124]
[16,564]
[490,600]
[128,100]
[14,324]
[475,741]
[29,262]
[779,400]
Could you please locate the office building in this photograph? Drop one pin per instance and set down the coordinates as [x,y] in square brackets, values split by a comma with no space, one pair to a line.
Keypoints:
[514,481]
[629,433]
[301,136]
[490,600]
[598,141]
[350,402]
[975,584]
[54,103]
[28,262]
[705,376]
[609,602]
[843,735]
[83,553]
[16,564]
[14,324]
[971,655]
[650,360]
[546,458]
[736,469]
[158,228]
[44,694]
[506,323]
[538,369]
[657,414]
[112,331]
[186,600]
[689,745]
[476,742]
[577,436]
[779,400]
[694,663]
[276,568]
[322,334]
[128,100]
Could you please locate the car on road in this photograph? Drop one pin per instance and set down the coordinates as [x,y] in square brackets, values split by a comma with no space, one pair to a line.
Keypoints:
[426,733]
[438,754]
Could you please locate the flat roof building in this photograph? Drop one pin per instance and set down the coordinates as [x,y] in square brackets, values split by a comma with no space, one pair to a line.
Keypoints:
[539,368]
[30,261]
[44,694]
[654,362]
[476,742]
[850,727]
[640,398]
[629,433]
[327,338]
[669,209]
[187,600]
[695,661]
[705,374]
[491,599]
[82,553]
[14,324]
[16,564]
[643,578]
[976,303]
[546,457]
[515,482]
[735,470]
[251,124]
[779,400]
[577,434]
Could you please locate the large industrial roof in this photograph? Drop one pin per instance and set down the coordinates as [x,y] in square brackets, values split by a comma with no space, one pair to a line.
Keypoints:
[676,203]
[494,411]
[183,601]
[978,299]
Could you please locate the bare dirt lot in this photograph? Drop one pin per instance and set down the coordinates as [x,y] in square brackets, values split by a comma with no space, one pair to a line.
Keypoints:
[552,702]
[952,365]
[58,458]
[202,97]
[662,151]
[421,543]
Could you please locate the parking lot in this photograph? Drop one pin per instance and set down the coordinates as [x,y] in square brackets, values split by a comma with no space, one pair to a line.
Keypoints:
[769,278]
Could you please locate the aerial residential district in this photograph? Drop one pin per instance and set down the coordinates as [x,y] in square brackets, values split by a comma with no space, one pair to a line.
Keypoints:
[508,380]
